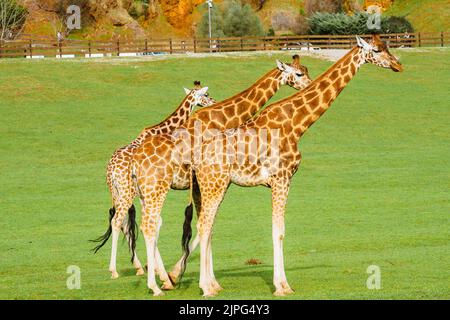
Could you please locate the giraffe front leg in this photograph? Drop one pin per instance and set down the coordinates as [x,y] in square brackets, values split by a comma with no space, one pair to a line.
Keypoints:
[205,283]
[217,287]
[160,269]
[280,192]
[150,243]
[176,270]
[149,228]
[213,192]
[153,195]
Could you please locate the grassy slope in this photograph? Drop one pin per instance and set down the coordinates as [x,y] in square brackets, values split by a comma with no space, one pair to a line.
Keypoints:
[425,15]
[372,188]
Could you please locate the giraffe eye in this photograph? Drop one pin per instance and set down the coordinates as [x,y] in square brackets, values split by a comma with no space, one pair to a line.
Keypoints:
[299,74]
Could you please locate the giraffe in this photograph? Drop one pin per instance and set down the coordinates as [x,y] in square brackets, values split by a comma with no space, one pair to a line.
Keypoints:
[161,175]
[118,170]
[284,123]
[232,114]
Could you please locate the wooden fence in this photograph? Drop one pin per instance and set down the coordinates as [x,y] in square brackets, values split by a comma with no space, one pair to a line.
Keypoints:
[36,47]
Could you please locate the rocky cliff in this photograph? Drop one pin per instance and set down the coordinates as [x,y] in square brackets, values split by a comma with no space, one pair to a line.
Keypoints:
[157,18]
[123,17]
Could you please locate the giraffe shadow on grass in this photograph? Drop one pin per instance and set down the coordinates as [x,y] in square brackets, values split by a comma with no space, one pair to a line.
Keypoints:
[265,272]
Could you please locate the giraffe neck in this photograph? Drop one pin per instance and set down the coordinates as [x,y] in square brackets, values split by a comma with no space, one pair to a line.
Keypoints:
[234,111]
[172,122]
[310,104]
[260,92]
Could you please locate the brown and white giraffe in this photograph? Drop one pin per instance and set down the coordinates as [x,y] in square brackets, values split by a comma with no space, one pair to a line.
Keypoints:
[155,171]
[233,159]
[118,172]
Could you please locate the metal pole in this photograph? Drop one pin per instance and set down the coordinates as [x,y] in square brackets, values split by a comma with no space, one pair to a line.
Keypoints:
[209,3]
[209,20]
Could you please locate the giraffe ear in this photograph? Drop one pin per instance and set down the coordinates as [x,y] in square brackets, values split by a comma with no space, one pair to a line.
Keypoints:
[363,44]
[203,90]
[281,66]
[187,91]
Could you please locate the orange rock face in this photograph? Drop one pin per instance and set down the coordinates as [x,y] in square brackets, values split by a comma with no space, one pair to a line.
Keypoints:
[178,12]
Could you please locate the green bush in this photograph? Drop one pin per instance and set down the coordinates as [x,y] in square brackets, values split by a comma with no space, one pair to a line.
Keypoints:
[394,24]
[232,20]
[216,24]
[342,24]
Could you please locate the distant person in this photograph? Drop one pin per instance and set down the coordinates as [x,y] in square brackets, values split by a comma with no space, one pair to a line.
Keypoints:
[59,36]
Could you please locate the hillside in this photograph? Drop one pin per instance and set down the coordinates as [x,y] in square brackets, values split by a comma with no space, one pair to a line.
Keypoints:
[179,18]
[425,15]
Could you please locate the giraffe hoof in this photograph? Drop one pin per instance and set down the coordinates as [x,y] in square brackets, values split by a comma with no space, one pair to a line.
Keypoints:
[140,272]
[167,285]
[210,291]
[172,278]
[158,293]
[114,275]
[279,293]
[209,294]
[217,287]
[283,292]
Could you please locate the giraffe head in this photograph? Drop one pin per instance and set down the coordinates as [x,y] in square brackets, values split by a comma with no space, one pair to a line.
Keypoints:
[294,75]
[199,96]
[377,53]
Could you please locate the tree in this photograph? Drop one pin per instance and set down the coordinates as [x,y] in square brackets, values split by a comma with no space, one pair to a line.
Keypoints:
[216,24]
[232,20]
[12,19]
[342,24]
[240,20]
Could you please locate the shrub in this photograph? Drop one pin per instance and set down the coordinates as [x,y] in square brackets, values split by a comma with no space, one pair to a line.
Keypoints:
[395,24]
[342,24]
[138,9]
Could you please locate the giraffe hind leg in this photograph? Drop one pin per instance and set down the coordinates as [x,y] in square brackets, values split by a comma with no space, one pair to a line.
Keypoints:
[131,233]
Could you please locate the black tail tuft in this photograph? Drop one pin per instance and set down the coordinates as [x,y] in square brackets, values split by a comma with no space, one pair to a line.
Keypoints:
[132,227]
[187,235]
[104,238]
[187,229]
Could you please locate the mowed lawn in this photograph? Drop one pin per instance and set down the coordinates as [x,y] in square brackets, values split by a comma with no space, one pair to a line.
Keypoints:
[372,189]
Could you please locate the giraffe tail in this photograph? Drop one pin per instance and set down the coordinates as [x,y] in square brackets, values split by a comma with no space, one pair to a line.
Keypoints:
[104,238]
[132,234]
[187,228]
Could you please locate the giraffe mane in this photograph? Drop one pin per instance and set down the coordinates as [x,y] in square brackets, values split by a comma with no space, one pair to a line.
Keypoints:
[275,71]
[318,79]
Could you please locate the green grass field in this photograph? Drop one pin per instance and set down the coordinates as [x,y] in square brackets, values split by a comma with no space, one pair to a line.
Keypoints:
[373,187]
